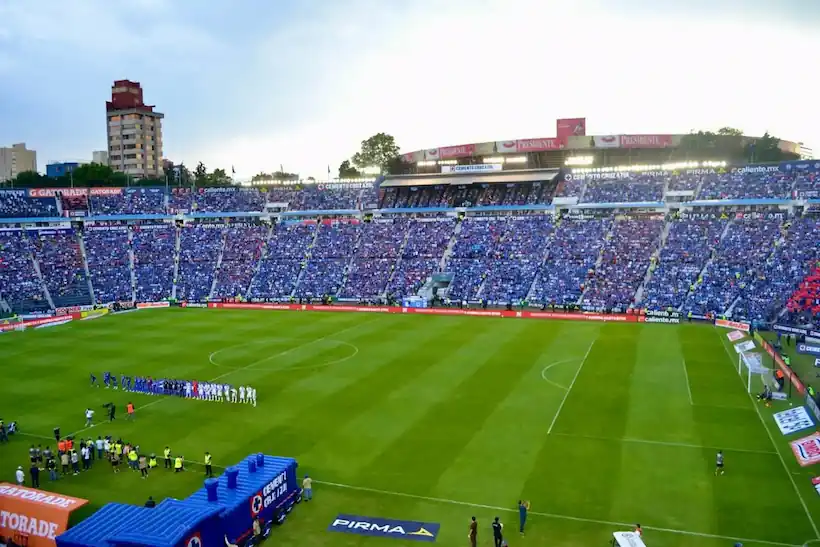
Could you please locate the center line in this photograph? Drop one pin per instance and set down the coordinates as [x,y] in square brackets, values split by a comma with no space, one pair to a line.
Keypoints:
[564,400]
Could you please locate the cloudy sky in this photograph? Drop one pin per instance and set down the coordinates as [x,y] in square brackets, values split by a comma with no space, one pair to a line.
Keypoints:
[259,83]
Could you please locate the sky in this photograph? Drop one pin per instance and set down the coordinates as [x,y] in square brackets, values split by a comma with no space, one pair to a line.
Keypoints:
[256,84]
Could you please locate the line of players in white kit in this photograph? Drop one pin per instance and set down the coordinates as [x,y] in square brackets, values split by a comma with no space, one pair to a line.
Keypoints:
[190,389]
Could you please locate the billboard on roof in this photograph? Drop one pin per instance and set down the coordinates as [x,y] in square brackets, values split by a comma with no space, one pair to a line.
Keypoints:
[571,127]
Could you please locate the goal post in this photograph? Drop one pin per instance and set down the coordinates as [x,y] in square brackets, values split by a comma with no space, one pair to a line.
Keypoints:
[15,323]
[750,364]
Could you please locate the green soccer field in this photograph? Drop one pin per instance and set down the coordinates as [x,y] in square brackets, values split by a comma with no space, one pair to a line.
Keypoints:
[434,419]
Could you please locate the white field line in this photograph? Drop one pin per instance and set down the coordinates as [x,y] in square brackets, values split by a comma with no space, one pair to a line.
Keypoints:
[225,375]
[623,525]
[688,384]
[774,445]
[663,443]
[577,372]
[556,363]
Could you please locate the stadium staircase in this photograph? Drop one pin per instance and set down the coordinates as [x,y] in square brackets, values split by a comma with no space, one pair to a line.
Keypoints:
[449,250]
[132,271]
[262,256]
[699,186]
[653,261]
[396,264]
[583,191]
[81,242]
[39,273]
[346,272]
[705,268]
[218,264]
[598,261]
[4,306]
[305,260]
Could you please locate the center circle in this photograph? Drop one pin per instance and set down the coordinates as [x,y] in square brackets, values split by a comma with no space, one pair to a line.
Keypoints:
[273,353]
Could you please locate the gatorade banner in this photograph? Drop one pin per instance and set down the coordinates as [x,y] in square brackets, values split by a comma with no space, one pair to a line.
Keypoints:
[34,517]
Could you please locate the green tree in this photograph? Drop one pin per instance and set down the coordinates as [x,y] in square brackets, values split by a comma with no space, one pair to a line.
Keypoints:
[377,151]
[219,178]
[347,171]
[284,176]
[91,174]
[730,132]
[201,174]
[765,149]
[28,179]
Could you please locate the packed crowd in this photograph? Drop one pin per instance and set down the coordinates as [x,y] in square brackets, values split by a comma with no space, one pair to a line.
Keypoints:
[15,204]
[748,265]
[623,264]
[19,284]
[637,189]
[61,265]
[107,250]
[131,201]
[736,185]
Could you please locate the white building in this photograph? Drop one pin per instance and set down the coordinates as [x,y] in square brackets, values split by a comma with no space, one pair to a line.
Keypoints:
[15,160]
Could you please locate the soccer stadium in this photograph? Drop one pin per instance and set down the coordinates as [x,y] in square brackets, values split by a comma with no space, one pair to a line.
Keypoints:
[493,333]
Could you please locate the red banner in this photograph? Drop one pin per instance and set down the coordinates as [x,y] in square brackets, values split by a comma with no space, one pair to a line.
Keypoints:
[619,317]
[146,305]
[726,324]
[4,327]
[72,192]
[460,151]
[646,141]
[570,127]
[538,145]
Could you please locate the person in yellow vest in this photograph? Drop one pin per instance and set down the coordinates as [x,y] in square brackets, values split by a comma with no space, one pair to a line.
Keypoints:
[152,461]
[133,458]
[178,464]
[209,472]
[167,454]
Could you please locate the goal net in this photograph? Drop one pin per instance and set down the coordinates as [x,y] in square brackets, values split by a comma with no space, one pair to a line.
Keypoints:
[11,324]
[750,365]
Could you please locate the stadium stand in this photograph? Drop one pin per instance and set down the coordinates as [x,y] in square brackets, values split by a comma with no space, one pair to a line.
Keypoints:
[107,250]
[755,264]
[20,285]
[199,248]
[60,260]
[154,246]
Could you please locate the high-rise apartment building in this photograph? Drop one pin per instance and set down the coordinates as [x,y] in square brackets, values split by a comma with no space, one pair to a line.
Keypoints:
[16,160]
[134,132]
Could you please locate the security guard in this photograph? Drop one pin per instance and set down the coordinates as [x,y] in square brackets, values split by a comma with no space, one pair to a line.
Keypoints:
[167,454]
[209,472]
[178,464]
[152,461]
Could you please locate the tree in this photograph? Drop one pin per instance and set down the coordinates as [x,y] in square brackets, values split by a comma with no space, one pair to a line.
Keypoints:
[377,151]
[90,174]
[29,179]
[201,174]
[219,178]
[730,132]
[347,171]
[284,176]
[764,149]
[311,179]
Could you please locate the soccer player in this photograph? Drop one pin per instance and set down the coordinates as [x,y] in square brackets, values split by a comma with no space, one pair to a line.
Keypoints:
[94,382]
[233,394]
[719,463]
[253,395]
[227,389]
[107,379]
[89,415]
[498,537]
[241,394]
[188,390]
[114,381]
[523,507]
[130,410]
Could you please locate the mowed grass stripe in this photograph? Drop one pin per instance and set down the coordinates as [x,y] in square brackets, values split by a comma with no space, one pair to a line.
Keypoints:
[595,406]
[415,461]
[356,445]
[520,420]
[660,409]
[303,416]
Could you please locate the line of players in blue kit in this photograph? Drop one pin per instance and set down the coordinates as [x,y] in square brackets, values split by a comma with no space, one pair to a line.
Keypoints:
[190,389]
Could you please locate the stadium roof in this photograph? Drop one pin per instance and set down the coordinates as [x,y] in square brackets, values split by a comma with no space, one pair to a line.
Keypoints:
[495,177]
